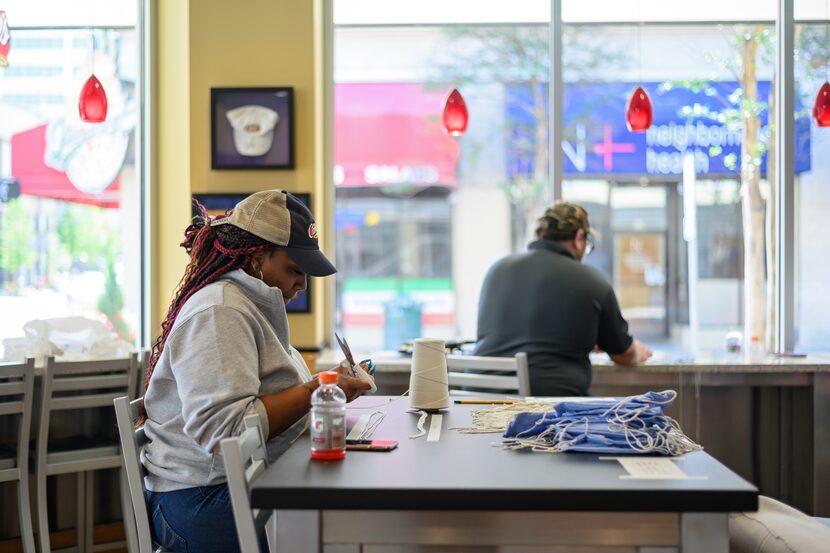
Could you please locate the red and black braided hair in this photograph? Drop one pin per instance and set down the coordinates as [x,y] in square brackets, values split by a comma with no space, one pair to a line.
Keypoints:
[214,251]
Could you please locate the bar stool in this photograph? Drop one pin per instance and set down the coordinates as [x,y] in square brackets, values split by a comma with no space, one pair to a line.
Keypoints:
[81,385]
[16,389]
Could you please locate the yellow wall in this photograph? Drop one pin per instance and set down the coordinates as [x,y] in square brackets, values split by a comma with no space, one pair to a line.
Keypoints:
[170,142]
[202,44]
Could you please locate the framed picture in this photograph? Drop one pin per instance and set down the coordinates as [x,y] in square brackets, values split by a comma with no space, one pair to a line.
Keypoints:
[252,128]
[218,204]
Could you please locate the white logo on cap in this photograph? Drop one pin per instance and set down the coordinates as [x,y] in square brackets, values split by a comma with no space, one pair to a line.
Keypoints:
[312,231]
[253,129]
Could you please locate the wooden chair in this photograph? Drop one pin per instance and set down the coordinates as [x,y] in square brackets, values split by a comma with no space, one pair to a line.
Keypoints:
[488,377]
[16,389]
[246,458]
[132,440]
[81,385]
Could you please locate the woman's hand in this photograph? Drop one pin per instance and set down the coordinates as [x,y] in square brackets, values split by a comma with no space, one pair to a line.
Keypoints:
[352,386]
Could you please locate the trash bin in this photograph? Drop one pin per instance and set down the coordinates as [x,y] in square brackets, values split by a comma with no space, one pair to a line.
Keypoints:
[402,321]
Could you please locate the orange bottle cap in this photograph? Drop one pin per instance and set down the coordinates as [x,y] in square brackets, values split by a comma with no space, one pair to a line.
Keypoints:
[328,377]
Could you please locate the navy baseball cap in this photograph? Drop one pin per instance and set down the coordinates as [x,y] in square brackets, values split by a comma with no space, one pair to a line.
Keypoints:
[282,219]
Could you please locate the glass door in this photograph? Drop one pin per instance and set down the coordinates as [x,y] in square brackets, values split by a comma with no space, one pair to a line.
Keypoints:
[639,228]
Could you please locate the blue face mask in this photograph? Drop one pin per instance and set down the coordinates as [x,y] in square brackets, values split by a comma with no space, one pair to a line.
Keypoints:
[634,424]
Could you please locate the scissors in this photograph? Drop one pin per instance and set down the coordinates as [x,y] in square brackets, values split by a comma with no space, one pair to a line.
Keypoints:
[347,352]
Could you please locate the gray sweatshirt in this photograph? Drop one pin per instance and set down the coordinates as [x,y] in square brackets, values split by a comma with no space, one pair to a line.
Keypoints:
[229,344]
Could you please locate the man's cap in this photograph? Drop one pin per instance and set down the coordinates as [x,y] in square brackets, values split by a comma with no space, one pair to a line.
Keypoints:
[253,129]
[562,220]
[282,219]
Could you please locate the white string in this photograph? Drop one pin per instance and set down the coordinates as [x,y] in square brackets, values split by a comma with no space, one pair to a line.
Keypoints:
[372,425]
[495,419]
[420,425]
[389,401]
[428,377]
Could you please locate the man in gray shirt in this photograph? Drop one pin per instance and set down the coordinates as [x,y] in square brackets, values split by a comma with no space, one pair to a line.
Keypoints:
[545,302]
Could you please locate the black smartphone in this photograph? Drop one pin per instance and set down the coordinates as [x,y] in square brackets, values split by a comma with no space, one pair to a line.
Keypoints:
[371,445]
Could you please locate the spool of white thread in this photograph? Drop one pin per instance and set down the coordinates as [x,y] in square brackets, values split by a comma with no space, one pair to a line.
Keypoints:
[428,387]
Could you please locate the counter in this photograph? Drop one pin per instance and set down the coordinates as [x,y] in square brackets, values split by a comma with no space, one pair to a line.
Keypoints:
[392,362]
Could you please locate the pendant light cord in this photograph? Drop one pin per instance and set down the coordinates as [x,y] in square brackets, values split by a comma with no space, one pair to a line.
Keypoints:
[640,42]
[92,39]
[826,40]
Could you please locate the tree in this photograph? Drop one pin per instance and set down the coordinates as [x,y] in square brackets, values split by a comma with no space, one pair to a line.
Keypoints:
[17,252]
[86,234]
[91,239]
[111,302]
[753,209]
[742,109]
[755,48]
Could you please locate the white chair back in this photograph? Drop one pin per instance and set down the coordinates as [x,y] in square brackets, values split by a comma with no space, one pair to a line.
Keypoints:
[141,372]
[485,377]
[72,386]
[16,389]
[132,440]
[245,458]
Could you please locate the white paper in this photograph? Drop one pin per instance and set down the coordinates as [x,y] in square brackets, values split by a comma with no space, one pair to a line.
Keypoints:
[435,428]
[652,468]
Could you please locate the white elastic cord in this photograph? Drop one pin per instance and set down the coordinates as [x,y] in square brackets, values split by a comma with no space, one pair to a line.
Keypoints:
[420,425]
[359,428]
[372,424]
[379,404]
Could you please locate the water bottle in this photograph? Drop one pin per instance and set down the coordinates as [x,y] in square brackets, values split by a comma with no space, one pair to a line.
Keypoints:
[328,420]
[755,351]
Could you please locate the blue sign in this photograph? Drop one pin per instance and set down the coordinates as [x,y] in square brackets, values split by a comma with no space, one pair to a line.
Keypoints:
[597,142]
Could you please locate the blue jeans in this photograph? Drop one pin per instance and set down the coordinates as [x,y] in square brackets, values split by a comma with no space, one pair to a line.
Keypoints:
[195,520]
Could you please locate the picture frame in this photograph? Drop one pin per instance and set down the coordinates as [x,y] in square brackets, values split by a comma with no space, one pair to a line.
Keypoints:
[252,128]
[219,204]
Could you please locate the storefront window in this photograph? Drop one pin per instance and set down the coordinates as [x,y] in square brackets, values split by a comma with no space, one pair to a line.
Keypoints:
[710,75]
[69,192]
[420,215]
[812,292]
[695,77]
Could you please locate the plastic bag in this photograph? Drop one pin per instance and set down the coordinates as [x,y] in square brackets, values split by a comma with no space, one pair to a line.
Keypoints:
[67,338]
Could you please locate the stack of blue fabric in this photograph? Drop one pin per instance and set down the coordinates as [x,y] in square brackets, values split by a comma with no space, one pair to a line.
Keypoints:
[634,424]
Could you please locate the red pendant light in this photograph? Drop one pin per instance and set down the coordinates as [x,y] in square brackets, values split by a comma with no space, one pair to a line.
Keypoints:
[5,40]
[821,109]
[639,114]
[455,114]
[93,103]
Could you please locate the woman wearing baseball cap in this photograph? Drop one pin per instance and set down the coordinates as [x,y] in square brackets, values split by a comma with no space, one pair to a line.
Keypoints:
[223,354]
